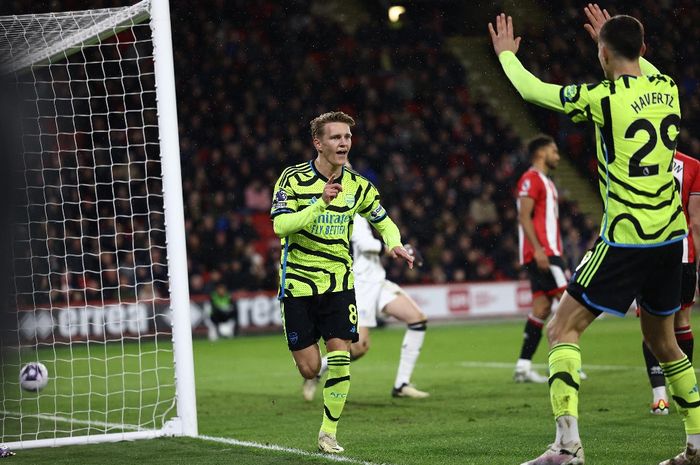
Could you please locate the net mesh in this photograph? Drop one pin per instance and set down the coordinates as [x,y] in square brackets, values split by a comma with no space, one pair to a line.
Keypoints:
[91,281]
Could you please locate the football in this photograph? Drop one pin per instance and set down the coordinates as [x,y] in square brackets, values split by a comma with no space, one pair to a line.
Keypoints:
[33,377]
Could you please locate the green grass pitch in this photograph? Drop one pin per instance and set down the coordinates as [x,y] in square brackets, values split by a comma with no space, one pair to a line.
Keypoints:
[248,389]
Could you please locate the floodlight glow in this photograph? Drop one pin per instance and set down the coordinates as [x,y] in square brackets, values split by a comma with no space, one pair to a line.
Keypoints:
[395,13]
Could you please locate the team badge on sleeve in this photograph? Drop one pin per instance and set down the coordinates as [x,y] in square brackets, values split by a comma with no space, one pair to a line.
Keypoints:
[571,93]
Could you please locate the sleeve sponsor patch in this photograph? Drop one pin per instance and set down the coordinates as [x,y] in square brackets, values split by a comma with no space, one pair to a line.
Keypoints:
[279,200]
[377,212]
[525,188]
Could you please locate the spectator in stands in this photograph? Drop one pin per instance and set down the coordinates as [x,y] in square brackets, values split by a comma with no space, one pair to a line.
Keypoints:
[223,316]
[242,110]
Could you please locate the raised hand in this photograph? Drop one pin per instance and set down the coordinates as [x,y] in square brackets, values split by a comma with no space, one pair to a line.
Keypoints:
[502,36]
[596,19]
[400,252]
[331,190]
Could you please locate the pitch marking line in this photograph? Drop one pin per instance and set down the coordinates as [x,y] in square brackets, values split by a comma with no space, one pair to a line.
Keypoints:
[229,441]
[544,366]
[586,367]
[289,450]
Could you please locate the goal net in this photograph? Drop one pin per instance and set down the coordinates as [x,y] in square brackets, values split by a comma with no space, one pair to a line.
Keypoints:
[100,284]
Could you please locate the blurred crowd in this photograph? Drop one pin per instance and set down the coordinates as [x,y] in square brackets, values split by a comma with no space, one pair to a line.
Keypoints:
[446,165]
[562,52]
[91,226]
[250,76]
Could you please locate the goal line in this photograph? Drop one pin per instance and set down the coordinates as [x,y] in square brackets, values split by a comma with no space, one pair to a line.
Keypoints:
[135,429]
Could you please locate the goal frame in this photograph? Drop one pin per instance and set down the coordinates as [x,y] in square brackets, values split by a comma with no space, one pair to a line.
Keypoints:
[185,421]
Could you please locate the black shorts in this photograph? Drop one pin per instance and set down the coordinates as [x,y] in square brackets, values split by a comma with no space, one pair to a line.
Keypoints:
[550,282]
[609,278]
[688,283]
[331,315]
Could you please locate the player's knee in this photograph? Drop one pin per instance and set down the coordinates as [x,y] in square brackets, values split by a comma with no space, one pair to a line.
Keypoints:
[308,370]
[556,333]
[552,332]
[308,373]
[542,312]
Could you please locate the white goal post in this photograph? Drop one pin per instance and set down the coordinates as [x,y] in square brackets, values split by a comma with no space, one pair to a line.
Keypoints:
[101,284]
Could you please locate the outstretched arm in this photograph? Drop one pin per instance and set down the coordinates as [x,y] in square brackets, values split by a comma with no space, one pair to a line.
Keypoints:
[596,18]
[529,86]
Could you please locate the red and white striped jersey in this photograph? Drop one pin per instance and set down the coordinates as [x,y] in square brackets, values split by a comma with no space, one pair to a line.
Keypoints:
[545,215]
[687,172]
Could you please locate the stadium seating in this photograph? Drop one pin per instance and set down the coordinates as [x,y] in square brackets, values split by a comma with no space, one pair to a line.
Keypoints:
[440,159]
[444,162]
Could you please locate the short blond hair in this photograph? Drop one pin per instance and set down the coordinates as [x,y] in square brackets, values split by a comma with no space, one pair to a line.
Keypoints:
[319,123]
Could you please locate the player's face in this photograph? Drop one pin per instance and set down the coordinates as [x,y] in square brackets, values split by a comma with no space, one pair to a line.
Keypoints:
[334,145]
[551,156]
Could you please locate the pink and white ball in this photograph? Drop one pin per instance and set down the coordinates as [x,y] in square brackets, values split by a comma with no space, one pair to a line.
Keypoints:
[33,377]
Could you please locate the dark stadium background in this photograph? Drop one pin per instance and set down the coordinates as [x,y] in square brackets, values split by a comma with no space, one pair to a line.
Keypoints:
[250,76]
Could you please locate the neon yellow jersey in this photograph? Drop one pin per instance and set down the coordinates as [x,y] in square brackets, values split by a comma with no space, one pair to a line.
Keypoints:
[316,255]
[637,122]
